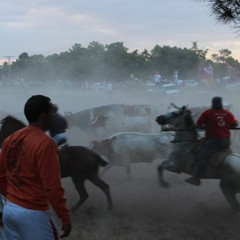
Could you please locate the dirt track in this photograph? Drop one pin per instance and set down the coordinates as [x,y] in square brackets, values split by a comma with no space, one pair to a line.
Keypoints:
[142,209]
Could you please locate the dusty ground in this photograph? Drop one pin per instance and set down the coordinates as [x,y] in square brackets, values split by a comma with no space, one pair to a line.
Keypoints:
[142,209]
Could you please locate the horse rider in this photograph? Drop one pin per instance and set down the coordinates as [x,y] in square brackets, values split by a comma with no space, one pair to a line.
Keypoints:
[59,127]
[217,123]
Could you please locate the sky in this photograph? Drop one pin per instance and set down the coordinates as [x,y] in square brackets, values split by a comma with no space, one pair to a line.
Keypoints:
[54,26]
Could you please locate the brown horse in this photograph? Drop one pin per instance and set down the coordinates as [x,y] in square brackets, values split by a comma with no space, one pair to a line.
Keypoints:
[77,162]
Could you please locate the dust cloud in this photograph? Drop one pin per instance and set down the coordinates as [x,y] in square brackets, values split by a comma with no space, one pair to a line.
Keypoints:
[142,209]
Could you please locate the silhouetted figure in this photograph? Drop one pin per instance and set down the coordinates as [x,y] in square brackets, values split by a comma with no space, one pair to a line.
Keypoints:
[59,127]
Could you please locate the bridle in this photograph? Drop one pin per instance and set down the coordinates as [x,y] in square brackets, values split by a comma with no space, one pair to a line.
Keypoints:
[190,128]
[193,127]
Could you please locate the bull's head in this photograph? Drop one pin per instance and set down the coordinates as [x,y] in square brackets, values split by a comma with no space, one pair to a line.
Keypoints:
[99,121]
[69,116]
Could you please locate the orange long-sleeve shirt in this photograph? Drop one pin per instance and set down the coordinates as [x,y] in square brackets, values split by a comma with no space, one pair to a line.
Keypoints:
[30,172]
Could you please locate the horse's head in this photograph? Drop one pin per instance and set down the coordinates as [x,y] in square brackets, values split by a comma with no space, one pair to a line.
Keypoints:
[69,116]
[180,118]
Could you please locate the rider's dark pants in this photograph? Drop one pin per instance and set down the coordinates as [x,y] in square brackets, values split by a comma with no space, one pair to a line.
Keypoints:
[210,146]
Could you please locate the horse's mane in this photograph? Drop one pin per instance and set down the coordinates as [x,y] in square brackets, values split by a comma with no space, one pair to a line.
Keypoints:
[11,119]
[10,124]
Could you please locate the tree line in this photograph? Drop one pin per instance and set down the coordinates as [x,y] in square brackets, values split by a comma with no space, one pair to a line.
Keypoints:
[114,62]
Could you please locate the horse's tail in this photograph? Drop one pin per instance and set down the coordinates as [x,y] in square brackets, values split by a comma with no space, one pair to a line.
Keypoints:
[101,161]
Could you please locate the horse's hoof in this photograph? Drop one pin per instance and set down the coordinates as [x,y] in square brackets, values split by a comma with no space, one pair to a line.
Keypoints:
[110,207]
[73,210]
[165,184]
[236,209]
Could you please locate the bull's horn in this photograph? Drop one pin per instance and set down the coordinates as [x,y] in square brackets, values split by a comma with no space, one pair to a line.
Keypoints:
[174,105]
[95,120]
[68,113]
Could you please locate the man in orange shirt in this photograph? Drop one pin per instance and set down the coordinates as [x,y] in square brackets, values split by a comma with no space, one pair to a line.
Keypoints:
[30,178]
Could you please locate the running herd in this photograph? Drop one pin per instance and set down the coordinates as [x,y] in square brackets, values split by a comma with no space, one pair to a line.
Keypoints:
[126,134]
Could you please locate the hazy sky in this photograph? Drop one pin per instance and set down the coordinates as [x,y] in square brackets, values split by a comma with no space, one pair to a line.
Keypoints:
[53,26]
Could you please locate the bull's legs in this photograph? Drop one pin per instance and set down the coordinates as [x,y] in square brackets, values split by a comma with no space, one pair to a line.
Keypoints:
[128,170]
[83,195]
[230,194]
[163,183]
[105,188]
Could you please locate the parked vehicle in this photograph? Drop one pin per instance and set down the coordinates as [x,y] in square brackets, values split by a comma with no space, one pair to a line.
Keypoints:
[190,83]
[153,88]
[171,89]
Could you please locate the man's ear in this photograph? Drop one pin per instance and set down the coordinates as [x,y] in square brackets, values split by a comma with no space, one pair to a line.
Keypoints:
[43,117]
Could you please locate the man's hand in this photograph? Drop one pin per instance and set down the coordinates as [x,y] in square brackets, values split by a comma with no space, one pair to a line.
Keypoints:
[66,228]
[167,127]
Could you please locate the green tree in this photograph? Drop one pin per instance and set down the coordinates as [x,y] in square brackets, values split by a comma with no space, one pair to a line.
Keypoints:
[95,58]
[222,56]
[20,66]
[225,11]
[116,60]
[167,59]
[200,52]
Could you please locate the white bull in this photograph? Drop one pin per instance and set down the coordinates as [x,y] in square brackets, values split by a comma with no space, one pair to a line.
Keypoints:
[116,124]
[122,149]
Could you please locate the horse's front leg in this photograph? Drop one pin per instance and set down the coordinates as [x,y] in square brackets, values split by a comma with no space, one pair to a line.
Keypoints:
[106,168]
[230,194]
[83,195]
[163,183]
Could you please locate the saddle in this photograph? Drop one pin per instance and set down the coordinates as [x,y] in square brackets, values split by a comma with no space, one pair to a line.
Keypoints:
[188,166]
[217,158]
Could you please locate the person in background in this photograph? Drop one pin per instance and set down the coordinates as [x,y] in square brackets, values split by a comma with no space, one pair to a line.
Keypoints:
[30,178]
[59,126]
[217,123]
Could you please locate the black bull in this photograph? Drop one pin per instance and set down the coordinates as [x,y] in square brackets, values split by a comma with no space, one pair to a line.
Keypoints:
[77,162]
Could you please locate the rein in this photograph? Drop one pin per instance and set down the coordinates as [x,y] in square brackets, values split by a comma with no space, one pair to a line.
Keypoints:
[186,140]
[191,128]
